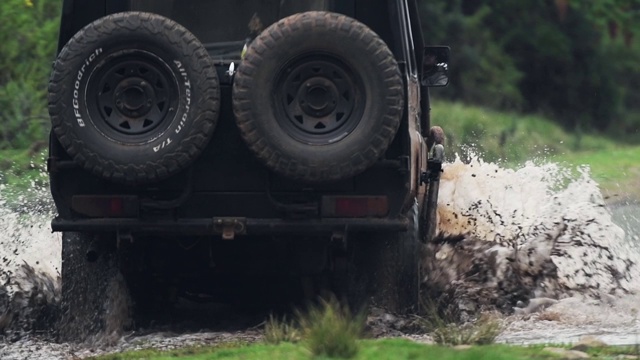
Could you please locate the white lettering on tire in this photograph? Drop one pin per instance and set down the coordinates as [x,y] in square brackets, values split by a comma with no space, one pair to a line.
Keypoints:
[76,86]
[185,116]
[187,84]
[162,145]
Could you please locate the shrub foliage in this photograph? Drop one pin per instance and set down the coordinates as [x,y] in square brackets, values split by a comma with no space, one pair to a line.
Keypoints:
[28,41]
[576,61]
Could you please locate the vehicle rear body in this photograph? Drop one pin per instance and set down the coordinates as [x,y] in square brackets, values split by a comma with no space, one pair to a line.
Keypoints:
[241,150]
[227,192]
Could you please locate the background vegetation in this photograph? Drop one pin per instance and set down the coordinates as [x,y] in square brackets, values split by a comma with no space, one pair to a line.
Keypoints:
[577,62]
[28,42]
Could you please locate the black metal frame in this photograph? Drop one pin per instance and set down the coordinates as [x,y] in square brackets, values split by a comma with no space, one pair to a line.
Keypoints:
[215,226]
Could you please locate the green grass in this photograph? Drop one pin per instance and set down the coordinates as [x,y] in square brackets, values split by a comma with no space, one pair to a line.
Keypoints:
[617,170]
[385,349]
[21,168]
[509,137]
[23,177]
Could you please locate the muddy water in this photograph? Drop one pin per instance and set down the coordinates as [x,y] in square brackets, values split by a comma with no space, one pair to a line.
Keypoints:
[25,235]
[596,256]
[616,321]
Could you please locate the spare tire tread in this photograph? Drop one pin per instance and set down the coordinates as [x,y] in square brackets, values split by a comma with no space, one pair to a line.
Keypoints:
[204,77]
[360,160]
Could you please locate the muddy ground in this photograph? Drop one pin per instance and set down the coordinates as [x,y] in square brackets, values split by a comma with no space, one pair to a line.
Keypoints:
[193,325]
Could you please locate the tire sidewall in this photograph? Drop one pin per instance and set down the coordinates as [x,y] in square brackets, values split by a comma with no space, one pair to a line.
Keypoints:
[333,160]
[153,152]
[86,128]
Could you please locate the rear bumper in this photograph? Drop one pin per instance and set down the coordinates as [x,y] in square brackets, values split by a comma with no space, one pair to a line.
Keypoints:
[239,226]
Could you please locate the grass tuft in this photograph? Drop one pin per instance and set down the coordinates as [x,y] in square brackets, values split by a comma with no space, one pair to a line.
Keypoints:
[327,329]
[445,328]
[483,331]
[277,331]
[331,330]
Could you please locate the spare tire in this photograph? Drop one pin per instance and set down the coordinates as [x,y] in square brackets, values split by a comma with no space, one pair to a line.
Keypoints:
[134,97]
[318,97]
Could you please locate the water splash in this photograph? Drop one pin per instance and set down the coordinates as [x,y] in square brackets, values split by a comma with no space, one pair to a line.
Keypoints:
[514,207]
[504,211]
[25,233]
[29,260]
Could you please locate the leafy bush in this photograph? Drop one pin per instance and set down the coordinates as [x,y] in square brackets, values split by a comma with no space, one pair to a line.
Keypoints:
[481,71]
[561,58]
[28,41]
[625,124]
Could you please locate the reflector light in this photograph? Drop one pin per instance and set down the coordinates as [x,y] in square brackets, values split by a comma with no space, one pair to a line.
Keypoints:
[109,206]
[355,206]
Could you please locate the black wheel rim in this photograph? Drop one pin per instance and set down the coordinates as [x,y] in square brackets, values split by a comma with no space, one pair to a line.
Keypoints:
[132,96]
[319,99]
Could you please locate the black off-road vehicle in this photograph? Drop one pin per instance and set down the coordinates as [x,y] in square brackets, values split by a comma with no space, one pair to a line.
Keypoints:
[198,144]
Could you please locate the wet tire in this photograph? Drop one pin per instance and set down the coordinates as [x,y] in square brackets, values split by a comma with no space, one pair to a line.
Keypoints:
[96,306]
[318,97]
[133,97]
[385,268]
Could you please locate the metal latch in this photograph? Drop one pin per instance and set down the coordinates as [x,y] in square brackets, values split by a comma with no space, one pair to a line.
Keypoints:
[230,227]
[434,165]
